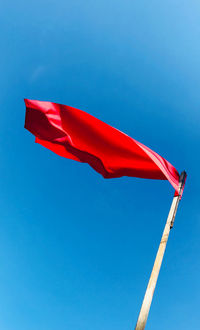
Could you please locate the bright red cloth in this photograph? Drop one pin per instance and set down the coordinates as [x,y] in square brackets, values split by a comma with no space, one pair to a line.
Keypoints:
[75,134]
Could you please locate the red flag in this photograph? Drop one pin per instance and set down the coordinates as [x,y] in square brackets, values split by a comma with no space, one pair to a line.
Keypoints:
[75,134]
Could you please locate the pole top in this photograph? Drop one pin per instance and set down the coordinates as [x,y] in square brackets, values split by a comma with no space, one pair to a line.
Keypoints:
[182,179]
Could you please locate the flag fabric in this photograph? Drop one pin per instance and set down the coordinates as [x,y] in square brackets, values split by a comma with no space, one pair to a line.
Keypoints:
[75,134]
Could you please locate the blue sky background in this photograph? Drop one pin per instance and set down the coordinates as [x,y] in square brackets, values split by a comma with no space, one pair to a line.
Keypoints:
[76,250]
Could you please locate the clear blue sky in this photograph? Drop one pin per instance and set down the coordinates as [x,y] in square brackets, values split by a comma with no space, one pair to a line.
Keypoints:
[76,250]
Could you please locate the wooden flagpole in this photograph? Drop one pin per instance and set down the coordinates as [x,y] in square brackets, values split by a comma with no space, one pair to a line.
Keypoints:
[142,319]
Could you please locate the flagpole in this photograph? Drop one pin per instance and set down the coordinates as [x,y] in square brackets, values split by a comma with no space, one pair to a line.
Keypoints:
[142,318]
